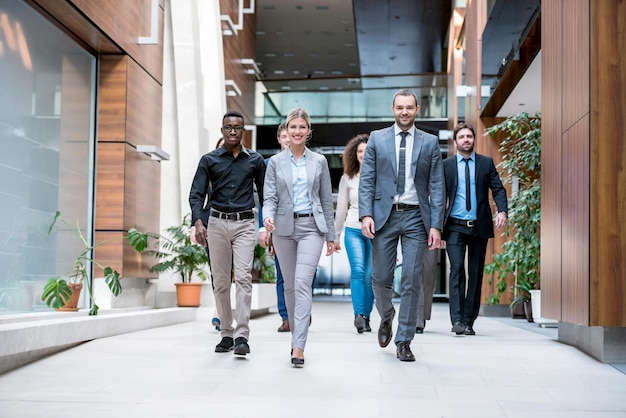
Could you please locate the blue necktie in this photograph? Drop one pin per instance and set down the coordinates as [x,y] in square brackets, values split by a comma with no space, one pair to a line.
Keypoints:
[401,163]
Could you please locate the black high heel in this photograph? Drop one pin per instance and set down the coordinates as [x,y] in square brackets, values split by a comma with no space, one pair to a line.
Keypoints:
[296,361]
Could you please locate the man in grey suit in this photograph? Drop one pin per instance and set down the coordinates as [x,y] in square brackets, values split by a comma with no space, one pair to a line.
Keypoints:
[401,166]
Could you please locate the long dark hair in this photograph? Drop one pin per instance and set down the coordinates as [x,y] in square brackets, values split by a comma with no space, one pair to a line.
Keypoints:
[352,166]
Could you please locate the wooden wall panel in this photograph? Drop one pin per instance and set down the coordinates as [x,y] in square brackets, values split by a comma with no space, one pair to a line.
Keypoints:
[144,103]
[112,98]
[575,223]
[73,23]
[236,47]
[608,159]
[551,105]
[575,56]
[124,22]
[110,184]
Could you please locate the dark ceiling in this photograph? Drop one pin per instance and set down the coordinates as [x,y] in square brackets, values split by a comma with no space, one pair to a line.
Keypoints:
[345,42]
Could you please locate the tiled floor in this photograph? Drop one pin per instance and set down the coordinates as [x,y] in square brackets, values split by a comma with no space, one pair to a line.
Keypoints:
[509,369]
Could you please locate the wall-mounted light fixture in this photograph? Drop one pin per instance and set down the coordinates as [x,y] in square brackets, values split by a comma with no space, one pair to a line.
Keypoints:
[252,67]
[153,39]
[229,27]
[464,91]
[232,89]
[154,152]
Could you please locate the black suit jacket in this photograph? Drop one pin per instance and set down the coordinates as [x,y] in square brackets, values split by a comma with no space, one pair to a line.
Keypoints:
[486,178]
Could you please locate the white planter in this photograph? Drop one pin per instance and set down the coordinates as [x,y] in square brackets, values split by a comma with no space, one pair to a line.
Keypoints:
[535,301]
[263,298]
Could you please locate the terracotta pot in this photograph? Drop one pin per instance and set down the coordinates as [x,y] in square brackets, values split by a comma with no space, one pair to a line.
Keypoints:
[72,304]
[188,294]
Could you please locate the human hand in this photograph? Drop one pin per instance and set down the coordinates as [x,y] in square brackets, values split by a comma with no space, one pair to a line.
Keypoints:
[442,244]
[268,223]
[367,227]
[337,246]
[501,220]
[434,238]
[200,233]
[263,238]
[330,248]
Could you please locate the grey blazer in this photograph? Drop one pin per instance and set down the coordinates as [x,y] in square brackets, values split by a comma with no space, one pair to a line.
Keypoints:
[377,186]
[278,193]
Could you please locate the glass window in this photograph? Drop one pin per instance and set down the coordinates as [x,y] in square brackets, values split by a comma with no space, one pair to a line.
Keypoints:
[47,108]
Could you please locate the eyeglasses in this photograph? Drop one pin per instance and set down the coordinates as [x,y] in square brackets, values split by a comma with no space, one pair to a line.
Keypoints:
[237,128]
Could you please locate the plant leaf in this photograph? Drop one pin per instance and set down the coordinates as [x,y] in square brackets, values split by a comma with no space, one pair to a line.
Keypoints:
[56,292]
[112,279]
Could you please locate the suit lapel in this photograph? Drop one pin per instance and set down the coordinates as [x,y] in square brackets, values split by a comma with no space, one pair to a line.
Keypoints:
[285,167]
[390,146]
[418,141]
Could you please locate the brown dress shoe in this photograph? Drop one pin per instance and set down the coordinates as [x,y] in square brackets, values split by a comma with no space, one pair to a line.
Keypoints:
[284,327]
[385,333]
[403,351]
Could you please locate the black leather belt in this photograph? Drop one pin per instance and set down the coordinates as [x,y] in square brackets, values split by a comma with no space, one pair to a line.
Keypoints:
[401,207]
[233,216]
[302,215]
[464,222]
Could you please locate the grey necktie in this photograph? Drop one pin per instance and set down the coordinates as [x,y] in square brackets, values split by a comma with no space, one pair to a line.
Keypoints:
[401,163]
[468,197]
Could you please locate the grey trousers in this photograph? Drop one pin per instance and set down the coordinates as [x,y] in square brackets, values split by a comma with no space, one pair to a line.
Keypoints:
[408,227]
[231,244]
[299,255]
[429,277]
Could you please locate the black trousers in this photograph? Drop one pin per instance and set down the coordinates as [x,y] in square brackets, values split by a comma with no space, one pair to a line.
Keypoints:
[464,305]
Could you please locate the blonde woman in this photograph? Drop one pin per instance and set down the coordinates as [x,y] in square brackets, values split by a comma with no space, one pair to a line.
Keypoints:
[298,211]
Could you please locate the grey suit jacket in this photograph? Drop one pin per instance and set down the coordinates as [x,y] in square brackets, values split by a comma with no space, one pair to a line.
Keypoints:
[278,193]
[377,186]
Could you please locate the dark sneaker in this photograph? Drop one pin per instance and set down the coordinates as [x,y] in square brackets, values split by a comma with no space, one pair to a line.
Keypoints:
[241,346]
[225,345]
[359,323]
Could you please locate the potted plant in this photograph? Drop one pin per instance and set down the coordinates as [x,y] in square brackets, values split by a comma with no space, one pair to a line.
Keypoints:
[522,290]
[186,259]
[62,292]
[521,163]
[263,269]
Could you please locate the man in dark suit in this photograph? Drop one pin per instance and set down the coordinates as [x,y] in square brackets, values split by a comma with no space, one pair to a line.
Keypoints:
[400,166]
[469,225]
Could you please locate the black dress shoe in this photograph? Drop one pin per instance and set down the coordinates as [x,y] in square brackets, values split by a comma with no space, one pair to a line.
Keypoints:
[419,330]
[384,333]
[458,328]
[469,331]
[403,351]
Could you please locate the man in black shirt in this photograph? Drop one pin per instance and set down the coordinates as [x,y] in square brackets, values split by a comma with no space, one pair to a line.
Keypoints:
[224,180]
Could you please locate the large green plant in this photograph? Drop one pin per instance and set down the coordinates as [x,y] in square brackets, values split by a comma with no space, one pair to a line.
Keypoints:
[57,290]
[263,262]
[521,164]
[178,254]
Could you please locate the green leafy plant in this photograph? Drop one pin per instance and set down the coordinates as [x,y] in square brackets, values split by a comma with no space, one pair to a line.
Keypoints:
[57,290]
[521,163]
[179,254]
[264,264]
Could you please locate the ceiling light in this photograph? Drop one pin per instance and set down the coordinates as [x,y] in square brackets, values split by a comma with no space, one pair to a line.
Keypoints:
[154,152]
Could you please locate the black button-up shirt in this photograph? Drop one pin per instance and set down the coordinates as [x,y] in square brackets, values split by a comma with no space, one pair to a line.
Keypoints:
[225,183]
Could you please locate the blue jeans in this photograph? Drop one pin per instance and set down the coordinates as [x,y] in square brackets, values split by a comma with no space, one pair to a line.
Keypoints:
[359,251]
[280,292]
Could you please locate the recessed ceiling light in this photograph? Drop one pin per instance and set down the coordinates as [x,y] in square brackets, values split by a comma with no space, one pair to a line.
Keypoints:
[289,54]
[270,54]
[296,72]
[319,72]
[285,87]
[279,72]
[352,64]
[337,72]
[323,88]
[279,33]
[349,45]
[260,33]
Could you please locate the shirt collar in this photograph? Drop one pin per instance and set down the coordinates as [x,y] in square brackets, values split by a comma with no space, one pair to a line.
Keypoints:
[459,157]
[397,130]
